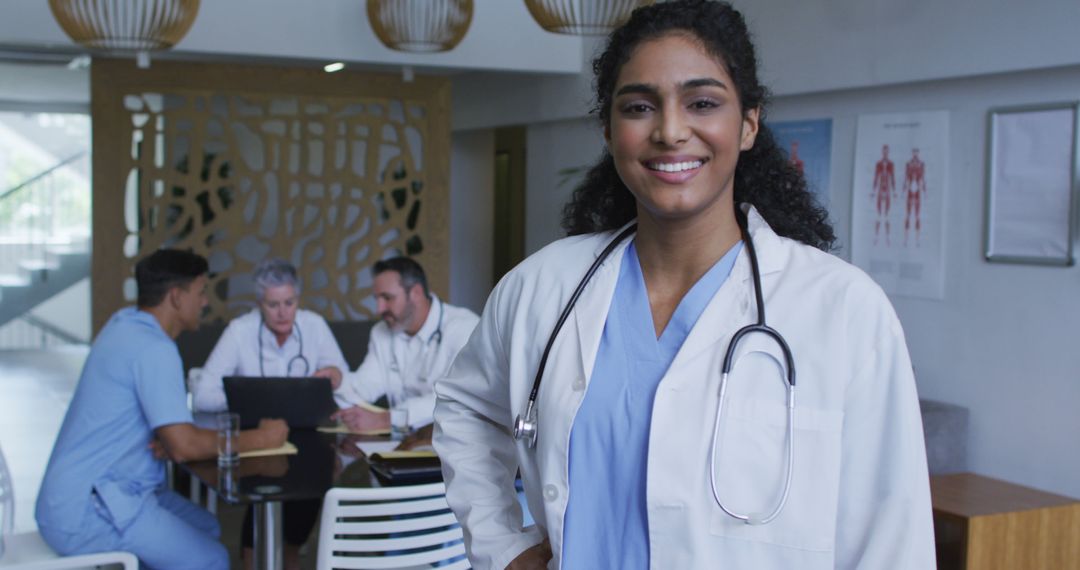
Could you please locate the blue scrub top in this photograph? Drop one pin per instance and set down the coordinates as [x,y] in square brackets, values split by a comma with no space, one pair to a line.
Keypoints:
[131,384]
[606,523]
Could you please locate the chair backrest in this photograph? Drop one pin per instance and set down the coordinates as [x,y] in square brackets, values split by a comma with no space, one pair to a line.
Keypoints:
[7,503]
[389,527]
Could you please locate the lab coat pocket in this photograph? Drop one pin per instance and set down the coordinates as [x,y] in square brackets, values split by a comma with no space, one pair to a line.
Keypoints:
[751,457]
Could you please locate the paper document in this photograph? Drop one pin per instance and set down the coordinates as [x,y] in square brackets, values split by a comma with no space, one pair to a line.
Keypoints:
[372,447]
[342,428]
[287,449]
[406,454]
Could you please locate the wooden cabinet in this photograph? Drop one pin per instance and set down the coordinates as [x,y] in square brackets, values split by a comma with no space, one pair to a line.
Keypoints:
[988,524]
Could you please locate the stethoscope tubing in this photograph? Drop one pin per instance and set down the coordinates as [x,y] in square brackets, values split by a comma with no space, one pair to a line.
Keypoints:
[299,355]
[525,426]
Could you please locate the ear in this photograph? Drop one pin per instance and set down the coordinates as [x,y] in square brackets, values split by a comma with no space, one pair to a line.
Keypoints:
[173,297]
[607,135]
[749,128]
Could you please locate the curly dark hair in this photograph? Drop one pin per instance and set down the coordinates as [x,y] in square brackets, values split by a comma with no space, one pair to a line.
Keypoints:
[763,176]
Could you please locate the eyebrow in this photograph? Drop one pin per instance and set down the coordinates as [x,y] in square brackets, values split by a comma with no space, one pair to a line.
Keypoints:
[649,89]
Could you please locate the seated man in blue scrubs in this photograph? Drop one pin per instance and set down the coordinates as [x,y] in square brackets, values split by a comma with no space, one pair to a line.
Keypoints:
[104,488]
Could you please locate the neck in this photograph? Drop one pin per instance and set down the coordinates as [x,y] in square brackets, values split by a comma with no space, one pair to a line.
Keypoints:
[166,319]
[681,251]
[281,338]
[674,254]
[423,309]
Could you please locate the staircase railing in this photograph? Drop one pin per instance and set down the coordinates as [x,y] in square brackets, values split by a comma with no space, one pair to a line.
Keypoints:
[48,209]
[30,332]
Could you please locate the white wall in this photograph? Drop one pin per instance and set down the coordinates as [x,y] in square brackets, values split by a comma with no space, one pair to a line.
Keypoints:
[69,310]
[502,35]
[472,210]
[1003,341]
[817,45]
[551,147]
[824,45]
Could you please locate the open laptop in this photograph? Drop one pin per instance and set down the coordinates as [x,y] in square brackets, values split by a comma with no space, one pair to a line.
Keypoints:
[304,403]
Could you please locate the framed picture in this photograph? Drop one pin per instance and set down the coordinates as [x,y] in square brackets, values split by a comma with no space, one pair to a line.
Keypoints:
[1032,184]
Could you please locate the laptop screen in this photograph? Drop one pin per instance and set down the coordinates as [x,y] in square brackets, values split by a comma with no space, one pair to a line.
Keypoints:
[304,403]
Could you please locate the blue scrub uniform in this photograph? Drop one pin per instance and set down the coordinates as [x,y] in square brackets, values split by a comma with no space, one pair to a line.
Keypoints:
[606,523]
[103,489]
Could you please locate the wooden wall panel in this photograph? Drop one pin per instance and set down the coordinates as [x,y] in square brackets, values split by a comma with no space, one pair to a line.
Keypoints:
[330,171]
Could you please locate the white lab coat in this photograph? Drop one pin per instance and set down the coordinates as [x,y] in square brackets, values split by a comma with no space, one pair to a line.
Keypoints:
[237,354]
[408,365]
[860,492]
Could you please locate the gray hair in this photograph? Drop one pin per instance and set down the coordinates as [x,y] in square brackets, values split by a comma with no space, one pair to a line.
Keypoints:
[274,272]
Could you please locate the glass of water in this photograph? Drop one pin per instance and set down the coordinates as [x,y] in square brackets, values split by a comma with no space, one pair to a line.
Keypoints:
[228,433]
[399,417]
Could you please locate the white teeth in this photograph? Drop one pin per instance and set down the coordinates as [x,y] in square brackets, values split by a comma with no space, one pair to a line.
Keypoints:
[676,166]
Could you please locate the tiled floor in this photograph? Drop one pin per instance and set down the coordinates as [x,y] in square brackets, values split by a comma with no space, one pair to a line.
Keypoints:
[36,386]
[35,389]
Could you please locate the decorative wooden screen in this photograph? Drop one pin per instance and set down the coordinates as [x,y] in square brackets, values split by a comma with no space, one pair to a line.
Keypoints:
[237,163]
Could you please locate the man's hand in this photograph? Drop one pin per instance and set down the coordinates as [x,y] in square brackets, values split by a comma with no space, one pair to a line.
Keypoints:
[359,419]
[418,438]
[332,373]
[535,558]
[272,433]
[158,449]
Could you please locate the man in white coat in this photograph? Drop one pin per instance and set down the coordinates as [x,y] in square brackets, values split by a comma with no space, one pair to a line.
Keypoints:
[412,346]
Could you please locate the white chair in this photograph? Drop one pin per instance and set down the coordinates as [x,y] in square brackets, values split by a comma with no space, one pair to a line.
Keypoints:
[28,551]
[389,528]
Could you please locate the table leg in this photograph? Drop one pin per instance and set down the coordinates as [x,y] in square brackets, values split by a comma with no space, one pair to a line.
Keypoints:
[268,536]
[195,491]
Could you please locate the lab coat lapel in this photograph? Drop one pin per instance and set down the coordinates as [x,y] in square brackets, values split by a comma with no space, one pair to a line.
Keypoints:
[733,305]
[592,307]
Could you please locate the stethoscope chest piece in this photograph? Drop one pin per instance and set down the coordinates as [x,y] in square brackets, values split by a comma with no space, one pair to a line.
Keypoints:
[525,426]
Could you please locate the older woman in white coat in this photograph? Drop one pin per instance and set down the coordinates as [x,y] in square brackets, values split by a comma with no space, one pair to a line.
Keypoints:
[643,454]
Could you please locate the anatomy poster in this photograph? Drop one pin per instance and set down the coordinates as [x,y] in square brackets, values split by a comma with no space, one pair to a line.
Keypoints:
[808,145]
[898,201]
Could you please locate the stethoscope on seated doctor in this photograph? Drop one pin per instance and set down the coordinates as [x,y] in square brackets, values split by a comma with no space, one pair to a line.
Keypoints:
[525,427]
[299,355]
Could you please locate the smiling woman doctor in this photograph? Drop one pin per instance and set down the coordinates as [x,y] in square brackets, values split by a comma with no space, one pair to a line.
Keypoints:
[635,450]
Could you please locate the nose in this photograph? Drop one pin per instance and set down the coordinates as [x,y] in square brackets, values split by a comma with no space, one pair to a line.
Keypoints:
[380,306]
[671,126]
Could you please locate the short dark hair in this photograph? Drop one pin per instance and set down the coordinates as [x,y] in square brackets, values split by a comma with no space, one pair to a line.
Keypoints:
[410,271]
[164,269]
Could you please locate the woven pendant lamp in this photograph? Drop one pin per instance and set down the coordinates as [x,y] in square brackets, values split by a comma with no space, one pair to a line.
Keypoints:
[420,25]
[125,25]
[582,17]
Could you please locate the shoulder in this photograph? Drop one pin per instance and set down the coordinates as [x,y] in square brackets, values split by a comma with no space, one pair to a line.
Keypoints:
[306,317]
[840,288]
[247,321]
[556,264]
[459,316]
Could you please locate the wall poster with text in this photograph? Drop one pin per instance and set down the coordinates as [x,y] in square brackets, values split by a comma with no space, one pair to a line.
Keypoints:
[898,201]
[808,145]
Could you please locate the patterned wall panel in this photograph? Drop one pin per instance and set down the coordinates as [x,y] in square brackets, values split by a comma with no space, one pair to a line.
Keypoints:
[332,172]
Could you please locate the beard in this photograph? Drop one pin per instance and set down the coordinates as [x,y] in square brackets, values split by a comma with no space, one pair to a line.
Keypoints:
[397,323]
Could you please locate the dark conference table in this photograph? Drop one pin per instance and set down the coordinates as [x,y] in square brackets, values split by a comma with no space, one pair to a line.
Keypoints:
[265,482]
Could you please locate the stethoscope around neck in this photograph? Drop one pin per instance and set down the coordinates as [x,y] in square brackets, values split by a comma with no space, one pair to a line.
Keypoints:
[299,354]
[525,426]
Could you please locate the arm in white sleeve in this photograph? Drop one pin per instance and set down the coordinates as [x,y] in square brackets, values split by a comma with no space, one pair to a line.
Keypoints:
[208,395]
[327,351]
[473,439]
[884,507]
[368,382]
[421,408]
